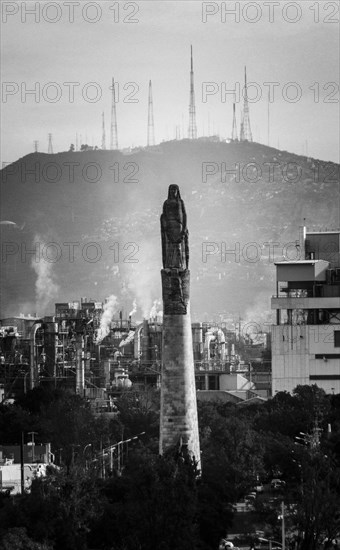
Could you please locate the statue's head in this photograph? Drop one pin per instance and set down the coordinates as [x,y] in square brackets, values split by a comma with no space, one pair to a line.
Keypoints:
[173,192]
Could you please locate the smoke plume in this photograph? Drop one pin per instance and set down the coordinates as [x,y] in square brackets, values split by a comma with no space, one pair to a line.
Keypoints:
[143,278]
[134,308]
[46,289]
[110,308]
[155,311]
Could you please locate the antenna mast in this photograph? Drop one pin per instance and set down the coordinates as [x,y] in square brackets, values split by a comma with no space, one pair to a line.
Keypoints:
[151,128]
[192,133]
[103,132]
[114,132]
[50,146]
[234,130]
[246,134]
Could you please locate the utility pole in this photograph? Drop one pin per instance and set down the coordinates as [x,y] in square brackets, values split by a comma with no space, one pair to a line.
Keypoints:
[22,464]
[151,127]
[283,526]
[114,132]
[192,132]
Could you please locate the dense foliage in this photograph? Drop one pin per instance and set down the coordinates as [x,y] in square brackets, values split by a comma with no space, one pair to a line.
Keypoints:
[161,503]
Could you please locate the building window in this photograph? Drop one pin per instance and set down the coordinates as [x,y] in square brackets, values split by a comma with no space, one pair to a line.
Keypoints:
[337,338]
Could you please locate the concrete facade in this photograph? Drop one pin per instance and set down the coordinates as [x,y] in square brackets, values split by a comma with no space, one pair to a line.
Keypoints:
[305,354]
[306,337]
[178,420]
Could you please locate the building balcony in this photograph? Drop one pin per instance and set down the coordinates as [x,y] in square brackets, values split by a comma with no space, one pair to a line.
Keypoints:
[305,303]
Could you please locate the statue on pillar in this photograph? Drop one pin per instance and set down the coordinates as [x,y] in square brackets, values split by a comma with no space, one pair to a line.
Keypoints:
[175,254]
[175,248]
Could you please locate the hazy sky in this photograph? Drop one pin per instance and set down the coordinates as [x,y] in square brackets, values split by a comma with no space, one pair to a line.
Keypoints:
[89,42]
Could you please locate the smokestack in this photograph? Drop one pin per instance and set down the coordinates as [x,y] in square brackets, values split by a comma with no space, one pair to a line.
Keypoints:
[302,242]
[80,364]
[145,341]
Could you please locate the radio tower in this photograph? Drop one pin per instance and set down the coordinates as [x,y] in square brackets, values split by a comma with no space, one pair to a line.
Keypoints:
[234,131]
[50,146]
[246,134]
[192,133]
[151,128]
[36,144]
[242,126]
[114,133]
[103,132]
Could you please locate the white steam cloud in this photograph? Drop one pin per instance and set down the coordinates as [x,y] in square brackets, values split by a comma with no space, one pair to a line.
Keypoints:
[110,308]
[46,289]
[134,308]
[155,310]
[258,318]
[143,278]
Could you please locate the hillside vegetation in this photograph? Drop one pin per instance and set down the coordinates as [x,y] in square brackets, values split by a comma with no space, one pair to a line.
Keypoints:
[235,193]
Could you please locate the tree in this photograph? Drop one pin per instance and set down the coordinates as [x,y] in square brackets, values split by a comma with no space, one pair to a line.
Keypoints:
[318,498]
[65,420]
[153,505]
[57,511]
[17,539]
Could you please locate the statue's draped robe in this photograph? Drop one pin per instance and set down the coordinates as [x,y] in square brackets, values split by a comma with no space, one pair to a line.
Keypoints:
[174,232]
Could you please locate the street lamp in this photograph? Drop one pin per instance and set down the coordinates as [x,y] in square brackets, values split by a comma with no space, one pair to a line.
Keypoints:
[88,445]
[84,450]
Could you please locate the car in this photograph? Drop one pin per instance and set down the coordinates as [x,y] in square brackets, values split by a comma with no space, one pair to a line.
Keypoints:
[250,501]
[226,545]
[277,483]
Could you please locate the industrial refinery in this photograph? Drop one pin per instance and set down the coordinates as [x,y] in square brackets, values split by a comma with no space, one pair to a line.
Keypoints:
[74,349]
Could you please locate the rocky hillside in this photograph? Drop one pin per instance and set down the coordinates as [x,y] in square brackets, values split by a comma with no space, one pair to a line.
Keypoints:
[92,219]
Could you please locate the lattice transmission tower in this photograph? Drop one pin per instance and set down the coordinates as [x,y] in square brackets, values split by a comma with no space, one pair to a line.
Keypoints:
[245,134]
[192,132]
[234,130]
[50,146]
[114,132]
[151,127]
[103,132]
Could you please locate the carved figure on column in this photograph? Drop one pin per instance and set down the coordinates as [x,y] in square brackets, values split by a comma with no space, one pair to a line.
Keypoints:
[175,254]
[175,247]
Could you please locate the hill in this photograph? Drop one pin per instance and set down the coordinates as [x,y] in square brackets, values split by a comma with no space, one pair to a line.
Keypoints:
[93,220]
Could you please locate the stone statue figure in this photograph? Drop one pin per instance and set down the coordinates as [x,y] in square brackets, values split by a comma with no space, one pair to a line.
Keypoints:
[175,247]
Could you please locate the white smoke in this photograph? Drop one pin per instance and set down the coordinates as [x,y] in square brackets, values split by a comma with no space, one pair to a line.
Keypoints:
[155,310]
[110,308]
[143,278]
[258,318]
[134,308]
[46,289]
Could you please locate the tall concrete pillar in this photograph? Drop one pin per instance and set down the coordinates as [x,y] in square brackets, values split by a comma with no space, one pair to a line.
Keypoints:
[80,364]
[178,417]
